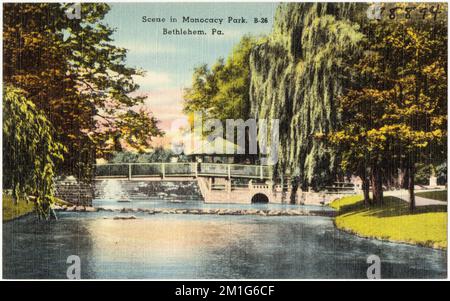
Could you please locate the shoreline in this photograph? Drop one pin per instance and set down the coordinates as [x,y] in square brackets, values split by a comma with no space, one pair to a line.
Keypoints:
[201,211]
[334,214]
[393,222]
[238,212]
[18,217]
[409,243]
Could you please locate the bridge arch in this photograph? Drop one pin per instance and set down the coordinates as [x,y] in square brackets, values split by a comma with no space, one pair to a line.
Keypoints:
[260,198]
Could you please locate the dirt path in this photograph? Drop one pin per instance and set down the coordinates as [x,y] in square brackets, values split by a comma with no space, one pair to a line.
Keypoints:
[420,201]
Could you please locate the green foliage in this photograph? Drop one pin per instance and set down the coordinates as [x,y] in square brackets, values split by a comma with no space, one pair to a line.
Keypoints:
[394,113]
[221,91]
[296,77]
[29,151]
[157,155]
[13,209]
[71,71]
[423,173]
[353,95]
[441,173]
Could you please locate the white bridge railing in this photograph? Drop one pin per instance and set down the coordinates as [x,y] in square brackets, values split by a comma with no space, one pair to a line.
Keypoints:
[165,170]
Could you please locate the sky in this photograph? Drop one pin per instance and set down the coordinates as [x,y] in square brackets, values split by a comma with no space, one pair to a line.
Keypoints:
[169,61]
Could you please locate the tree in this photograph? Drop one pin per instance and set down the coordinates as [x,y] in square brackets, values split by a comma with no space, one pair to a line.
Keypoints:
[441,173]
[296,77]
[222,92]
[71,71]
[394,112]
[420,96]
[363,142]
[29,151]
[157,155]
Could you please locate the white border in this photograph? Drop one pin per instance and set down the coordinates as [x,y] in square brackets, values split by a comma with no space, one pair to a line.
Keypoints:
[200,279]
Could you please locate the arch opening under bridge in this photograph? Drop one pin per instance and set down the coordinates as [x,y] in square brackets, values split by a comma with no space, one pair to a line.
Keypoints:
[260,198]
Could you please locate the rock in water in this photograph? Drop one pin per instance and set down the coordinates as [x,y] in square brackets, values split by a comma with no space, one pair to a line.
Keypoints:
[79,208]
[57,207]
[118,217]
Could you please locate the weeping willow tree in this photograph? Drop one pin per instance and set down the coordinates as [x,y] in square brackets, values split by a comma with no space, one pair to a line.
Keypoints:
[296,77]
[29,151]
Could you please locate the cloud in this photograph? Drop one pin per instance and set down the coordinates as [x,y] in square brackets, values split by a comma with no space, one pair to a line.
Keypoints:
[153,79]
[166,105]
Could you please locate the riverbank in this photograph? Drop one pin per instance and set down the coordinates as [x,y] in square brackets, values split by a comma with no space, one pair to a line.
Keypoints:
[12,211]
[393,221]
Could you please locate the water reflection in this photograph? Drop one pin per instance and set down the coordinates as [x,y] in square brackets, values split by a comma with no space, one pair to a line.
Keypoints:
[198,204]
[204,246]
[36,249]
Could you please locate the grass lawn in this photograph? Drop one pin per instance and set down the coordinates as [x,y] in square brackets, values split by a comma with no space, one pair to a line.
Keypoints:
[11,210]
[440,195]
[393,221]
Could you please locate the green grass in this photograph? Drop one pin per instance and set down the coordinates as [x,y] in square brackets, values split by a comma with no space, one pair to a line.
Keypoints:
[345,201]
[11,210]
[440,195]
[393,221]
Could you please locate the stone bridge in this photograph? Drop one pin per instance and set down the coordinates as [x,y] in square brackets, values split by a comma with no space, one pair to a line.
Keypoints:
[220,183]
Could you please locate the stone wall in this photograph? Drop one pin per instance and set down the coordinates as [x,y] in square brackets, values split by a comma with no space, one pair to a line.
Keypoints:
[114,189]
[244,195]
[75,192]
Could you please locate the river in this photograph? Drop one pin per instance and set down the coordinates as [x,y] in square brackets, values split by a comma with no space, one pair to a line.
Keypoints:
[181,246]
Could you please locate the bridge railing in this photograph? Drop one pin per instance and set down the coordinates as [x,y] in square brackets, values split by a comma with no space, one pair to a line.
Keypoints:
[146,170]
[129,170]
[181,169]
[213,169]
[111,170]
[248,170]
[235,170]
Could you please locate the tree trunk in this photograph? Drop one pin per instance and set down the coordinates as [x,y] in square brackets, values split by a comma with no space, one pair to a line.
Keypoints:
[377,185]
[401,176]
[295,184]
[283,190]
[412,199]
[365,185]
[366,188]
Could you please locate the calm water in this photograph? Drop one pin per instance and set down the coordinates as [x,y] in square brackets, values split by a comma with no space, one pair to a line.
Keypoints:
[187,204]
[202,246]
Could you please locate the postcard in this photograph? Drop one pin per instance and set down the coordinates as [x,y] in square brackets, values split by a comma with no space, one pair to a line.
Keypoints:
[224,140]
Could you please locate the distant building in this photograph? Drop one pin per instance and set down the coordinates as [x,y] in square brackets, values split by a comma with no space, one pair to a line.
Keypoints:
[220,151]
